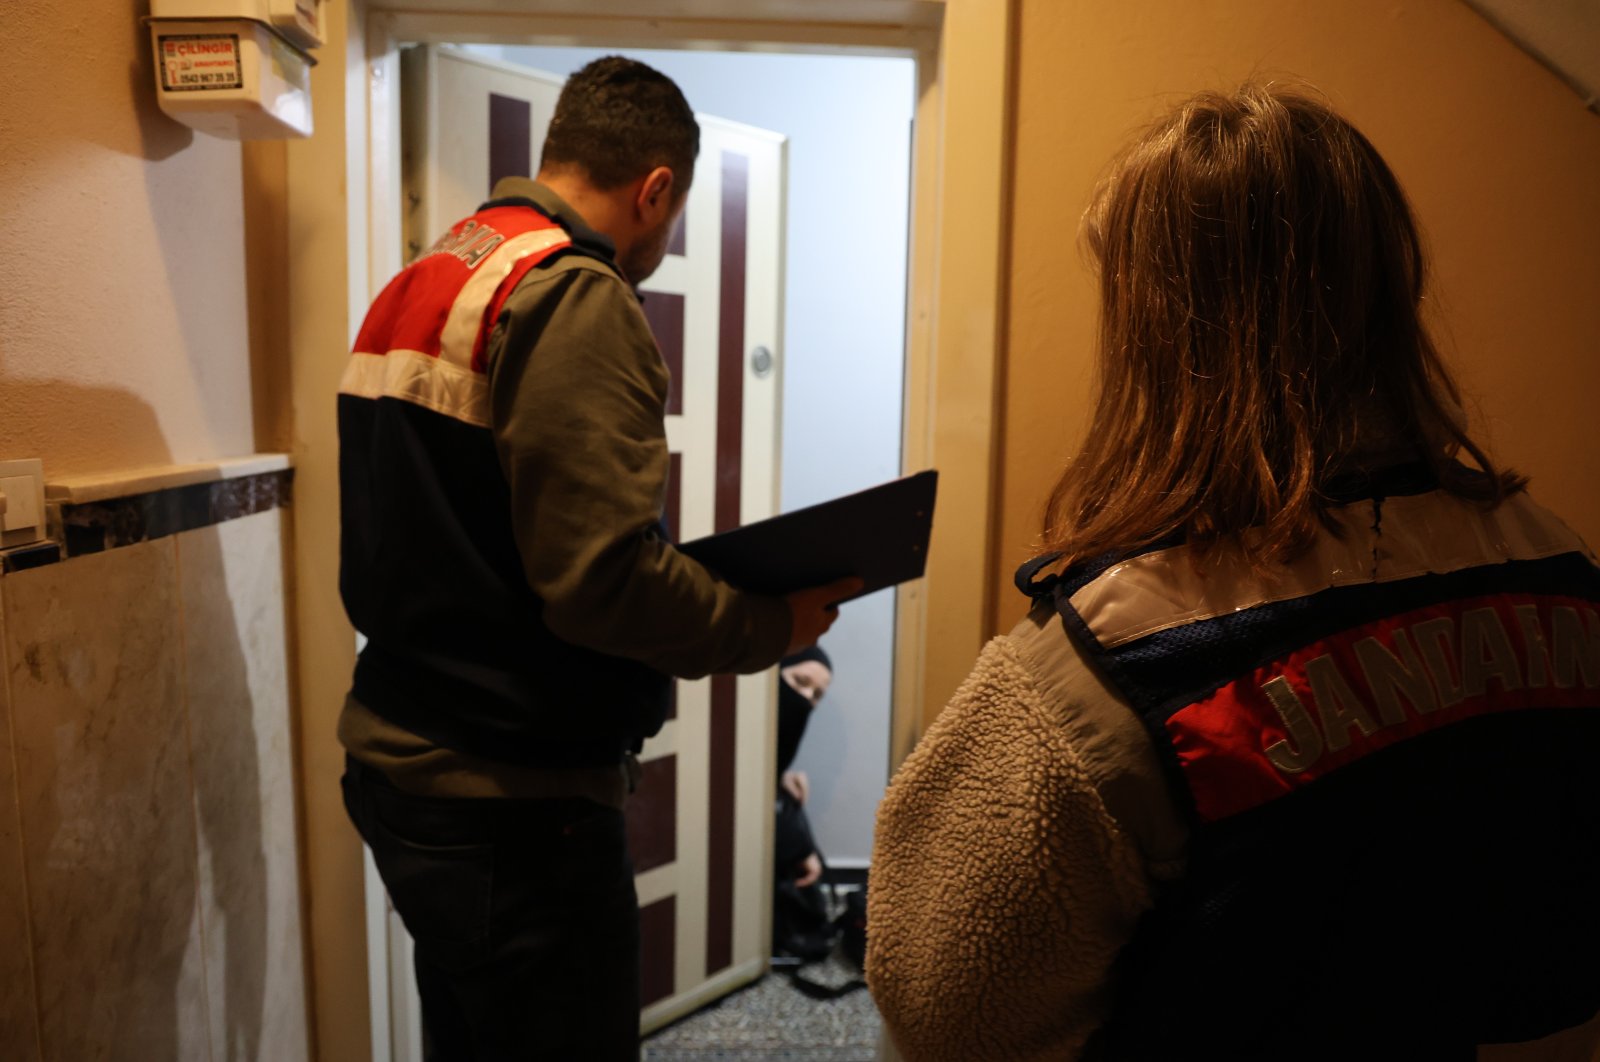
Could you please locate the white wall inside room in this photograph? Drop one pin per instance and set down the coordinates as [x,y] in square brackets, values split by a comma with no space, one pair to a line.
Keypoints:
[848,120]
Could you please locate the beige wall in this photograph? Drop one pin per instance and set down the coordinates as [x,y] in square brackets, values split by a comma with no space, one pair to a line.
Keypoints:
[326,180]
[150,894]
[122,327]
[1498,156]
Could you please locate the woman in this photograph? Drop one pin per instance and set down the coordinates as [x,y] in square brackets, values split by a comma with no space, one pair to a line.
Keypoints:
[1292,756]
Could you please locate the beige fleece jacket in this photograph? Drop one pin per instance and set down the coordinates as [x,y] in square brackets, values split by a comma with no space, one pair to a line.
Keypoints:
[1016,849]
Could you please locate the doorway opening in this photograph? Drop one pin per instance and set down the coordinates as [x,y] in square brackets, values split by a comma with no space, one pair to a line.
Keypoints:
[342,249]
[805,184]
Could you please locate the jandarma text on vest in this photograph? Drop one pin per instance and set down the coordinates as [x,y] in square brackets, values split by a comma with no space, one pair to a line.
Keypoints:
[471,242]
[1418,671]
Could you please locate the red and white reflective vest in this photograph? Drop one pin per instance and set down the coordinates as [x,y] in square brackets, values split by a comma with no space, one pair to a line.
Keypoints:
[457,649]
[423,340]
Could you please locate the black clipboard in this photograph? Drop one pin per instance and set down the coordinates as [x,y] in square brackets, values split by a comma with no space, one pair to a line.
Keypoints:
[880,535]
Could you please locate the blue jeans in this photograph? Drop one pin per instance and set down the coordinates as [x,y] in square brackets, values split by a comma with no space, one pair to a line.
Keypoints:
[524,916]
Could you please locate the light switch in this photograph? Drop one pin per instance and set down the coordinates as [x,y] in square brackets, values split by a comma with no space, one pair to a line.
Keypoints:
[22,518]
[22,507]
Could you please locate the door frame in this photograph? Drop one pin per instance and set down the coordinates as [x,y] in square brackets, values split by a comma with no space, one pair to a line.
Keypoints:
[339,186]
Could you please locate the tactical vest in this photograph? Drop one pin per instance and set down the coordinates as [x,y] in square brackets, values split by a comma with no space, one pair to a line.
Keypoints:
[1386,751]
[430,569]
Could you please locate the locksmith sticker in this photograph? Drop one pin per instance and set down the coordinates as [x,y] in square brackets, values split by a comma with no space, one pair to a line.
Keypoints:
[194,62]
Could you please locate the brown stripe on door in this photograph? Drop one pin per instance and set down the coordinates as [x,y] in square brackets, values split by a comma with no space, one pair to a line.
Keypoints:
[730,338]
[730,446]
[719,878]
[510,137]
[658,938]
[672,512]
[652,815]
[673,509]
[664,312]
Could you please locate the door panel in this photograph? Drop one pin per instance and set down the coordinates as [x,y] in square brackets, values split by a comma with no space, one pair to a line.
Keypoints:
[700,826]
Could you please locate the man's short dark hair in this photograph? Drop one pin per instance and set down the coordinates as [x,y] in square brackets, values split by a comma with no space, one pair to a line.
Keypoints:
[617,119]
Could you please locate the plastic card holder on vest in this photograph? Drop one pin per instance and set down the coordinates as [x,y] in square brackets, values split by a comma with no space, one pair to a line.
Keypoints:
[236,69]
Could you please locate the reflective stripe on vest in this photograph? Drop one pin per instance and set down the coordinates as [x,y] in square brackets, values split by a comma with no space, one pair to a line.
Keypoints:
[1421,612]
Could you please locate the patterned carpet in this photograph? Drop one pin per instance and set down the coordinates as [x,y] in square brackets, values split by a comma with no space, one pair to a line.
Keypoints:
[772,1021]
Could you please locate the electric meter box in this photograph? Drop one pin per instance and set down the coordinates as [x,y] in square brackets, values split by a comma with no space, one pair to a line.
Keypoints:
[236,78]
[300,21]
[239,69]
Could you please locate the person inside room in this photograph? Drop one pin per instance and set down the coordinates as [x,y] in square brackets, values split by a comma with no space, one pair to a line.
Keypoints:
[801,926]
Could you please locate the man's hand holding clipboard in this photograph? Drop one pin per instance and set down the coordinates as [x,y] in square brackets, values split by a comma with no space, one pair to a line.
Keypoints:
[812,612]
[824,555]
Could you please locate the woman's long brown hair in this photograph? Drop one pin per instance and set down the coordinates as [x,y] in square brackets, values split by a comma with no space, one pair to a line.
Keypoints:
[1261,277]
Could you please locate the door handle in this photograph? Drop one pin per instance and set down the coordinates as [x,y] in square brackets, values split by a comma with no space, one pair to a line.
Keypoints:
[762,362]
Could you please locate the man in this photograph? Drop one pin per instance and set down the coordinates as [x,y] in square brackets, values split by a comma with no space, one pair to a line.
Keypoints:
[503,466]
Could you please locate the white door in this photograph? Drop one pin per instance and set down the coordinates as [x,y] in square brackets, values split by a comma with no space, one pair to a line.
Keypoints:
[700,827]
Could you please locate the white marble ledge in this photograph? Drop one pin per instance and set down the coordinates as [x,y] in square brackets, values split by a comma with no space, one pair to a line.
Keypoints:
[79,490]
